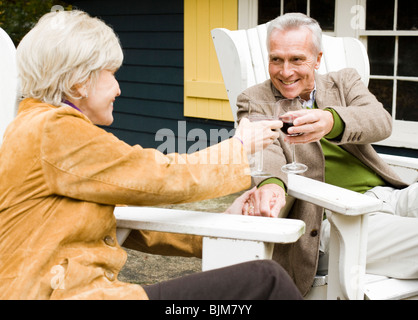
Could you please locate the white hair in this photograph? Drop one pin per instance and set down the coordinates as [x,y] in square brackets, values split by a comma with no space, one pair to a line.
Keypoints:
[296,20]
[64,50]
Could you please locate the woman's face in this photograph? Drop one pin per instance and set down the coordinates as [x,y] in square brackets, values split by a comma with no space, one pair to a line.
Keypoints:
[97,103]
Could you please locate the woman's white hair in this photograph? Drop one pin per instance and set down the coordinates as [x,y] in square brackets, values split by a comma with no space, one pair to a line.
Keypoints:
[296,20]
[65,51]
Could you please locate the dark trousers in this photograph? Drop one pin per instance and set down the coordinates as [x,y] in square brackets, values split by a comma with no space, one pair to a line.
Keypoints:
[254,280]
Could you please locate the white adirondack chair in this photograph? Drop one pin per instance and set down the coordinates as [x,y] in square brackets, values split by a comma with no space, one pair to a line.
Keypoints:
[243,59]
[8,82]
[227,239]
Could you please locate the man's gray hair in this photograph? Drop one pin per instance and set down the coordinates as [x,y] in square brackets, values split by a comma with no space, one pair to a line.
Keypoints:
[296,20]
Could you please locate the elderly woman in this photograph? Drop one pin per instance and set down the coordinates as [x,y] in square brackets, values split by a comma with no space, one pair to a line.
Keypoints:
[62,176]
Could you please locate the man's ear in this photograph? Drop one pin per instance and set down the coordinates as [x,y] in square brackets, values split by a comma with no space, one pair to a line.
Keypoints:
[318,60]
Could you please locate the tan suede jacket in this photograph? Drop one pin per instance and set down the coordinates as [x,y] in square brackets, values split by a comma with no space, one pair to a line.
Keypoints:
[61,177]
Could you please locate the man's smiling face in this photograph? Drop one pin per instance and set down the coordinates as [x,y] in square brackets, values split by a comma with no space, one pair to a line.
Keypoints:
[292,62]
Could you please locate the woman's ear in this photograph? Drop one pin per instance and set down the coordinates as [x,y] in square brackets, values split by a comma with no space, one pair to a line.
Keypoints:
[82,90]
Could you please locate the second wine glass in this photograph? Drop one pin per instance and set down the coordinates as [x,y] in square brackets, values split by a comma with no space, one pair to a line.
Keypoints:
[256,112]
[286,105]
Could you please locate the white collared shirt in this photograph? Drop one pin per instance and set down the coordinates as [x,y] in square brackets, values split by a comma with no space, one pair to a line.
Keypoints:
[309,104]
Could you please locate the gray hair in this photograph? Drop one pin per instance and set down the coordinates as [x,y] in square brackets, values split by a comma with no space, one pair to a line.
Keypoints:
[296,20]
[64,50]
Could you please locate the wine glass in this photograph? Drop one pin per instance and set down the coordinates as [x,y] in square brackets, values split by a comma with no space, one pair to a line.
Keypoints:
[287,119]
[256,113]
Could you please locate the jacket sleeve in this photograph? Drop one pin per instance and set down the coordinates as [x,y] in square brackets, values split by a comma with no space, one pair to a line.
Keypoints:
[364,117]
[85,162]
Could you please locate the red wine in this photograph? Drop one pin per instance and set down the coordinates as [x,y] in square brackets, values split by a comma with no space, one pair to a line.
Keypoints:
[286,125]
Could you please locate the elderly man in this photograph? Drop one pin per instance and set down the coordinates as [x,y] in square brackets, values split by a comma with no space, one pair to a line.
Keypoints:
[338,118]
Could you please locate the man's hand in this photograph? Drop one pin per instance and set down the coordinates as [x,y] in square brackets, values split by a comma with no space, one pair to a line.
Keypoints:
[265,201]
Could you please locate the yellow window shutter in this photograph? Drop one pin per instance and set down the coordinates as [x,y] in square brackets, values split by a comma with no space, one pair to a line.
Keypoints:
[204,91]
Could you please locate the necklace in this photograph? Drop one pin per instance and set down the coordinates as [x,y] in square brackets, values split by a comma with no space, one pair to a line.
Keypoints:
[72,105]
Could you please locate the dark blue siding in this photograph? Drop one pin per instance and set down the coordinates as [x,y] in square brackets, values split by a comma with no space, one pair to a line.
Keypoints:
[151,78]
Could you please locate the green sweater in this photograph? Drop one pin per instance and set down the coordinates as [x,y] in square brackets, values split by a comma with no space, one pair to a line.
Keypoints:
[342,169]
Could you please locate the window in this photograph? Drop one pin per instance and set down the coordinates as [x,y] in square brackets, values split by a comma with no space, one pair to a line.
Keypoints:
[391,36]
[389,30]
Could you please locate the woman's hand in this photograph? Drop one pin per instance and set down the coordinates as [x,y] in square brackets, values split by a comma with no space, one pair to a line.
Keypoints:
[256,136]
[265,201]
[240,202]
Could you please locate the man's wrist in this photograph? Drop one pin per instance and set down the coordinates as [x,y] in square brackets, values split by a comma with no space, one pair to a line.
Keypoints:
[274,181]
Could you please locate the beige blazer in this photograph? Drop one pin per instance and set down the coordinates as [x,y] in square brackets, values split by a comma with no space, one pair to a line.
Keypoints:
[366,121]
[61,177]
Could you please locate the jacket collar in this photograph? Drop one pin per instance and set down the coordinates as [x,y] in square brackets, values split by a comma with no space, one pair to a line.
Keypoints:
[325,90]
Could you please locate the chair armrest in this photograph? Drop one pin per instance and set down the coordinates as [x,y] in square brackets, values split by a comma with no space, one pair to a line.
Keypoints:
[330,197]
[401,161]
[348,242]
[210,224]
[405,167]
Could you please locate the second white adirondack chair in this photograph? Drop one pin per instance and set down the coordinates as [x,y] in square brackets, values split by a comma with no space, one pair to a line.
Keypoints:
[243,60]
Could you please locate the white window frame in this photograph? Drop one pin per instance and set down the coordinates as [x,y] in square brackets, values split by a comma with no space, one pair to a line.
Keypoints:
[405,133]
[247,14]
